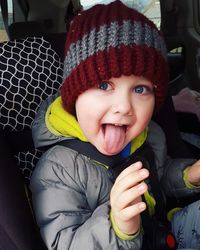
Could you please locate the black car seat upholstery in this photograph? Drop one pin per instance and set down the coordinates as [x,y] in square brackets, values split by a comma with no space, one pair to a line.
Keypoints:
[30,71]
[17,226]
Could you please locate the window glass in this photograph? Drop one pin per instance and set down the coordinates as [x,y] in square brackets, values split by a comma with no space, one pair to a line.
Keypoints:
[3,34]
[151,8]
[178,50]
[153,12]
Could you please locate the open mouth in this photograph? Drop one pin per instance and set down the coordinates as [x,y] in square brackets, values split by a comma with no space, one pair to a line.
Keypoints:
[114,126]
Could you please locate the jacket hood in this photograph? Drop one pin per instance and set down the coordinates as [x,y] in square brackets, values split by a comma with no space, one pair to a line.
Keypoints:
[41,135]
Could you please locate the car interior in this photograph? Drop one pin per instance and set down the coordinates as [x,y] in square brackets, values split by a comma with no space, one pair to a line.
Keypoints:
[32,40]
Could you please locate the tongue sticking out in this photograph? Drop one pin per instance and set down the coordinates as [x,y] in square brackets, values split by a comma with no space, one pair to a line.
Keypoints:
[114,137]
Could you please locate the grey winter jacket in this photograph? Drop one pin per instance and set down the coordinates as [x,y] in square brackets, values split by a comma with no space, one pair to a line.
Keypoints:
[71,192]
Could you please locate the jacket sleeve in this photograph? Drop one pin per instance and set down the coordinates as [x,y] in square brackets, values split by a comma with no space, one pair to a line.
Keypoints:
[170,171]
[71,203]
[173,178]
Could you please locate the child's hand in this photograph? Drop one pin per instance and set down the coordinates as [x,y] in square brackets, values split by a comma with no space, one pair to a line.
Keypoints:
[193,174]
[125,198]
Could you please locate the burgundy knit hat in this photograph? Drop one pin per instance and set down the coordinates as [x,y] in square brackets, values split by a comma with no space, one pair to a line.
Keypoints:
[109,41]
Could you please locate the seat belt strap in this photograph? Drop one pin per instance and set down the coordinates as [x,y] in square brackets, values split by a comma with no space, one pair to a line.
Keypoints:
[87,149]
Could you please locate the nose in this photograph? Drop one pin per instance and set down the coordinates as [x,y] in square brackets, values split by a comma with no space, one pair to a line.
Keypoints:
[123,105]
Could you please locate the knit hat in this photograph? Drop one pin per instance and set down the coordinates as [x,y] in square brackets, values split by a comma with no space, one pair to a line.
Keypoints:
[109,41]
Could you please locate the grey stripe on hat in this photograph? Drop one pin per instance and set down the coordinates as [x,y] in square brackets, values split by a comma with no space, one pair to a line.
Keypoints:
[112,36]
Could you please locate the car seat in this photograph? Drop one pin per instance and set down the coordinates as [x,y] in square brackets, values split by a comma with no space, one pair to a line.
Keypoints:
[17,227]
[32,18]
[30,70]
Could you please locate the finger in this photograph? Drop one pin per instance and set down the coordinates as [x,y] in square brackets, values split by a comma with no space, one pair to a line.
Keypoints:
[131,195]
[133,210]
[132,168]
[193,174]
[129,181]
[126,183]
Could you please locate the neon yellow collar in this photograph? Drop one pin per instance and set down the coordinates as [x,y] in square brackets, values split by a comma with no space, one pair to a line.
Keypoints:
[61,123]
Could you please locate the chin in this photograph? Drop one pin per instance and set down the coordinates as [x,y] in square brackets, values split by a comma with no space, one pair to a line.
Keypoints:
[105,152]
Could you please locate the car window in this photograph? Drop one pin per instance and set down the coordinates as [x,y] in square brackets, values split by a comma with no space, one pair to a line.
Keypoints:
[151,8]
[3,35]
[153,12]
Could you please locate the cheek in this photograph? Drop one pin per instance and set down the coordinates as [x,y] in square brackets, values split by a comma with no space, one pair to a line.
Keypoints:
[86,113]
[150,109]
[144,110]
[83,120]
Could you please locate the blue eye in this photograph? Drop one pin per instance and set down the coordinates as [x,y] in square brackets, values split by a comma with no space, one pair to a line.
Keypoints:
[104,86]
[143,89]
[139,89]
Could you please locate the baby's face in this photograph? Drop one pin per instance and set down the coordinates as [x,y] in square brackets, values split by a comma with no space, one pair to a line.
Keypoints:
[115,112]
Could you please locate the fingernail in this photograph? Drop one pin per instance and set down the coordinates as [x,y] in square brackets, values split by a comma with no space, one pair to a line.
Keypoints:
[143,173]
[142,206]
[141,187]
